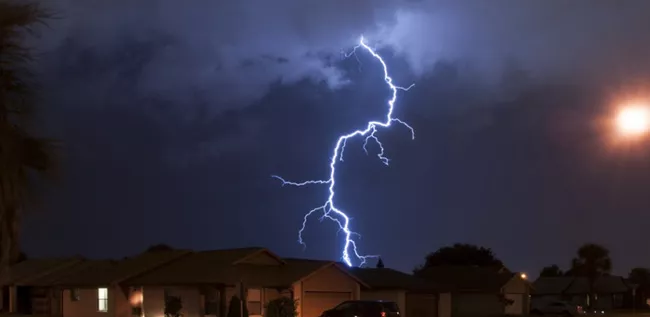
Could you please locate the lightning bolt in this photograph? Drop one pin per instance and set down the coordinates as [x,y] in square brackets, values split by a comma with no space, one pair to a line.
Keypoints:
[329,208]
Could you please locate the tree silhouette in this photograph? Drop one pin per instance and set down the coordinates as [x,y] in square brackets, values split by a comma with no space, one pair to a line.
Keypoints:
[592,261]
[380,264]
[173,306]
[640,278]
[282,307]
[551,271]
[159,247]
[234,308]
[21,154]
[461,254]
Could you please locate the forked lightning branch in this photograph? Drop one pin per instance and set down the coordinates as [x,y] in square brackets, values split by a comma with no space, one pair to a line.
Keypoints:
[329,208]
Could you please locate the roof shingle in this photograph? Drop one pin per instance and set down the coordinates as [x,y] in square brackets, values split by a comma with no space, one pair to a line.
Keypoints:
[106,272]
[24,272]
[212,267]
[385,278]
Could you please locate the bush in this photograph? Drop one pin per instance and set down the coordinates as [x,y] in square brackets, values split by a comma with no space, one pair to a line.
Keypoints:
[234,308]
[282,307]
[173,306]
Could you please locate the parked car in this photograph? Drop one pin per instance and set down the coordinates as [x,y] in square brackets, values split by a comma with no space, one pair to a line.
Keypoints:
[557,308]
[363,308]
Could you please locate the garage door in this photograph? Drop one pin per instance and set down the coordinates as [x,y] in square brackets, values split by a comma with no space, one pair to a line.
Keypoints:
[315,303]
[421,305]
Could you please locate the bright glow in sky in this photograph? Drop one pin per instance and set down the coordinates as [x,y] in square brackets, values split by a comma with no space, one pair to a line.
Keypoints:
[633,120]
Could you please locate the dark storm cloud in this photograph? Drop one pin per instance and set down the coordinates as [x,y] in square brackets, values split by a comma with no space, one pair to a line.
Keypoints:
[218,89]
[231,51]
[550,38]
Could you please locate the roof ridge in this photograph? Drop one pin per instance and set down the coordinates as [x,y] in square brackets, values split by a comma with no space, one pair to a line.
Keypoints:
[152,267]
[69,262]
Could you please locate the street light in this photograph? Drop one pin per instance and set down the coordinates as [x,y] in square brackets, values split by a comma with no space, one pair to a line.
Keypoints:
[633,120]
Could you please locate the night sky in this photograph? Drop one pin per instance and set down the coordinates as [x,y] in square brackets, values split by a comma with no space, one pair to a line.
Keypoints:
[174,115]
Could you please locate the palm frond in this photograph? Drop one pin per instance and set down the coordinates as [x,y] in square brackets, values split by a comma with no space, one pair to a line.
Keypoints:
[20,153]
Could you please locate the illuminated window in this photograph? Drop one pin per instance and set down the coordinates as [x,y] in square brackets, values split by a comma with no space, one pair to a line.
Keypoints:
[254,299]
[102,299]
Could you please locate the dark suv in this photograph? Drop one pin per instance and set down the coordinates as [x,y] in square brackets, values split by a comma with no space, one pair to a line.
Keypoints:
[363,308]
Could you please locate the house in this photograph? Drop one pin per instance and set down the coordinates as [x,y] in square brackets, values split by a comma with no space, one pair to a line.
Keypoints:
[414,296]
[205,281]
[479,291]
[17,298]
[609,290]
[86,287]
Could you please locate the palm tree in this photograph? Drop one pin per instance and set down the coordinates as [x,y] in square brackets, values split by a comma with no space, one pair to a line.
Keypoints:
[592,262]
[21,154]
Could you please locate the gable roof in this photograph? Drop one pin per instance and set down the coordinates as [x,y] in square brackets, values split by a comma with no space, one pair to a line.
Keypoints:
[551,285]
[179,267]
[209,267]
[311,267]
[27,270]
[216,266]
[602,285]
[256,253]
[467,278]
[385,278]
[107,272]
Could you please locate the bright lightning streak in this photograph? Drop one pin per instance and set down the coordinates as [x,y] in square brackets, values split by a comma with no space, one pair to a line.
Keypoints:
[329,207]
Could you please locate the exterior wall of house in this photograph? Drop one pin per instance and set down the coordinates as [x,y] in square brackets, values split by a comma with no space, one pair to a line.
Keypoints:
[476,305]
[267,295]
[445,305]
[121,303]
[517,290]
[331,279]
[398,296]
[297,296]
[88,303]
[326,287]
[421,305]
[153,301]
[271,294]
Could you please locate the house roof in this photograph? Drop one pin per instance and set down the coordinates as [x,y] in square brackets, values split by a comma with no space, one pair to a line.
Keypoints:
[551,285]
[467,278]
[385,278]
[602,285]
[216,266]
[27,270]
[106,272]
[176,267]
[579,285]
[302,266]
[211,267]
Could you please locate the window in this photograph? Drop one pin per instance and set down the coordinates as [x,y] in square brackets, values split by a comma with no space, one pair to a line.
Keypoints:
[74,295]
[212,302]
[102,299]
[254,301]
